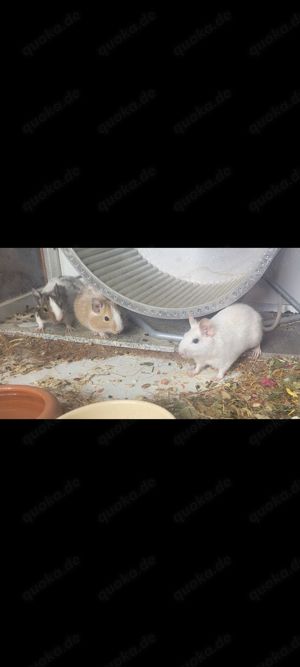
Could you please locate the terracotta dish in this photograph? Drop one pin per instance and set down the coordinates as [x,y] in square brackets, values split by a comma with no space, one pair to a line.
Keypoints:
[25,402]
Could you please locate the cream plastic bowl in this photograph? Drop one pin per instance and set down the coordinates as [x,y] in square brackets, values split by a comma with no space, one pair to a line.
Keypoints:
[119,410]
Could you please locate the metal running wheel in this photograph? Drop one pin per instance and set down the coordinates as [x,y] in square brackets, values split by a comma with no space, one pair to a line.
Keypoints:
[170,283]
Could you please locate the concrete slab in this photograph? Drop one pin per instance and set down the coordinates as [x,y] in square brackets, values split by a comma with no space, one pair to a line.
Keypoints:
[134,337]
[119,377]
[283,340]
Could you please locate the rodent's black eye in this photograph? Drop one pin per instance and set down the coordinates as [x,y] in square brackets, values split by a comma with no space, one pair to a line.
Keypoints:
[106,319]
[196,340]
[45,310]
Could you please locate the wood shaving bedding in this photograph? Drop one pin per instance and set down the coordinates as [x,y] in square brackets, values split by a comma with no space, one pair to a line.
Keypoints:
[268,388]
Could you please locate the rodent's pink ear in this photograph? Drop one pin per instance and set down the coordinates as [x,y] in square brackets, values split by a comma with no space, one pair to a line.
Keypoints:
[207,327]
[97,305]
[37,294]
[192,319]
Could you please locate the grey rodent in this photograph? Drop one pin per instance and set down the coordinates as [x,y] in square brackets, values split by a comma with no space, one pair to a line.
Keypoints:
[219,341]
[55,301]
[97,313]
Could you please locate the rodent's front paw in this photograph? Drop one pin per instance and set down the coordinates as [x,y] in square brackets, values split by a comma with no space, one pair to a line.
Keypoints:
[69,329]
[100,334]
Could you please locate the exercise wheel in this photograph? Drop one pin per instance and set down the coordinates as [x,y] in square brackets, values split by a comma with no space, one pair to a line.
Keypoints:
[170,283]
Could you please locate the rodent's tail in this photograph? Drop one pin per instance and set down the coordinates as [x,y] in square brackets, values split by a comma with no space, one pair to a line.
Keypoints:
[276,321]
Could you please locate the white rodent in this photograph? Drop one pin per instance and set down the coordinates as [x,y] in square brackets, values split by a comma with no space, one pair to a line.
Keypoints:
[219,341]
[97,313]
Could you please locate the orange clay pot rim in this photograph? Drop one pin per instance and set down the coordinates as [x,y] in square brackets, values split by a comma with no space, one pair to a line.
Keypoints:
[50,401]
[25,388]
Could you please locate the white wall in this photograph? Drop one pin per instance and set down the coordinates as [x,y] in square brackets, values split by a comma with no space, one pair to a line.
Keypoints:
[285,271]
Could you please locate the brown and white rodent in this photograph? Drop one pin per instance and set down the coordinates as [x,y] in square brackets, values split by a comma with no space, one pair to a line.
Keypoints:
[220,341]
[55,302]
[97,313]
